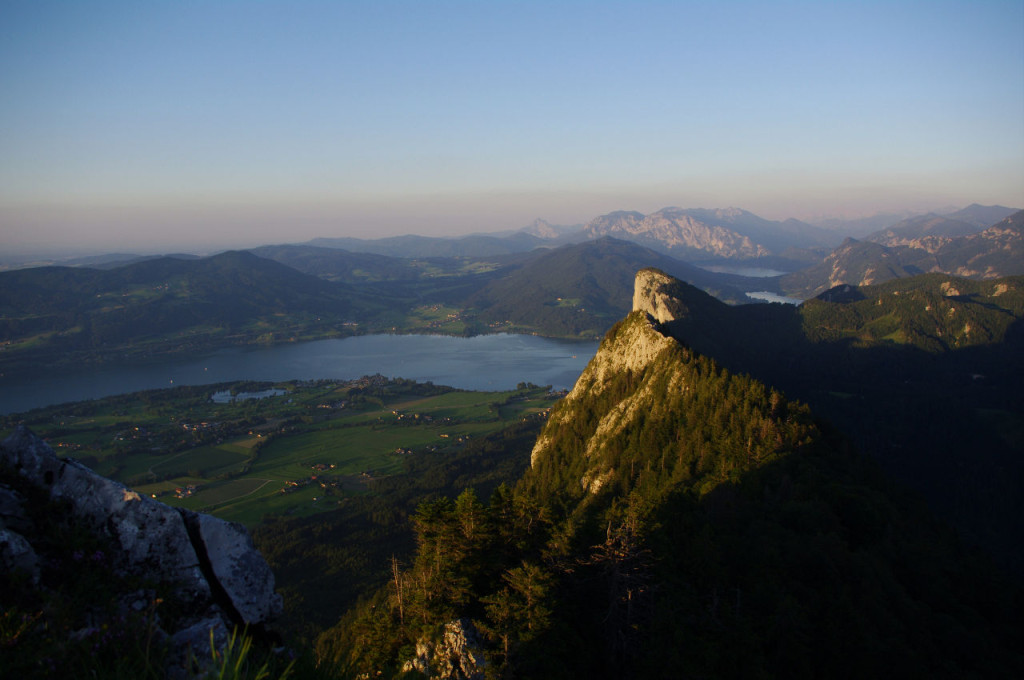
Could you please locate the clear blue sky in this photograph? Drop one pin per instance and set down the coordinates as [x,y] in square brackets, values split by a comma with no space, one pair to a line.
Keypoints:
[150,124]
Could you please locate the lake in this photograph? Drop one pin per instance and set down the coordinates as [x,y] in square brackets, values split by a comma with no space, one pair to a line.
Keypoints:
[485,362]
[768,296]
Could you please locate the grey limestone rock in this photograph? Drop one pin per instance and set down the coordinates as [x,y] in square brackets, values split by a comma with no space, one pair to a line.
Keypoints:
[238,567]
[151,536]
[456,654]
[212,564]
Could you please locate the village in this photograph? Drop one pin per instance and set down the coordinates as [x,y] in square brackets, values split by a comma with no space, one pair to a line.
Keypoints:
[316,478]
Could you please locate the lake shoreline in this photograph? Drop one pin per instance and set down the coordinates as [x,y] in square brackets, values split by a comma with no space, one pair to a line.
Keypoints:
[488,362]
[189,347]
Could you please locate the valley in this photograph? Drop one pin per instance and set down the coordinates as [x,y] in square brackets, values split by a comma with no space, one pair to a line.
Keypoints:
[302,449]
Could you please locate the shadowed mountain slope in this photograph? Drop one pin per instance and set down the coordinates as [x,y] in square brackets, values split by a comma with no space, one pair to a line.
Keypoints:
[923,373]
[681,519]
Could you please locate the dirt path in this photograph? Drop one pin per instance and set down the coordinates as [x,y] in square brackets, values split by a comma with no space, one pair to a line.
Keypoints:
[235,498]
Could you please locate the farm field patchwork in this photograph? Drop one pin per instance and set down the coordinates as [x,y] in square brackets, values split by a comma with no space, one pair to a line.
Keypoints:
[303,450]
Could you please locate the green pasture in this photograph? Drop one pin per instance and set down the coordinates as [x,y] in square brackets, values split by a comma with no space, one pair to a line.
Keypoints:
[239,475]
[351,449]
[232,491]
[436,319]
[160,489]
[204,461]
[434,312]
[249,500]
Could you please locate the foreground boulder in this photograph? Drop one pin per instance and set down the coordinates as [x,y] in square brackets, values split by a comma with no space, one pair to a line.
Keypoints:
[455,654]
[218,578]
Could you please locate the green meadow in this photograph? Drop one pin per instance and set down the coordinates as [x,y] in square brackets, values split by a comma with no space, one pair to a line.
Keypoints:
[303,450]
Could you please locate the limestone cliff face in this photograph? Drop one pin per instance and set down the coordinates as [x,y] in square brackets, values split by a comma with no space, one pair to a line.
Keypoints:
[649,412]
[632,347]
[676,231]
[656,293]
[455,654]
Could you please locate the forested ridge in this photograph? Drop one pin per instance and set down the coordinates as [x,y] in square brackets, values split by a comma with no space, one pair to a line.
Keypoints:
[923,374]
[174,306]
[55,315]
[681,520]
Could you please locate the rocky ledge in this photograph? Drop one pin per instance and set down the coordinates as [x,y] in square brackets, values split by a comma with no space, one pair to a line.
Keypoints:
[219,579]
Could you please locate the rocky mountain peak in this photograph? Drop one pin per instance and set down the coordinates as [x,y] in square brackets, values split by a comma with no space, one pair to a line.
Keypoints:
[676,232]
[541,229]
[631,347]
[653,293]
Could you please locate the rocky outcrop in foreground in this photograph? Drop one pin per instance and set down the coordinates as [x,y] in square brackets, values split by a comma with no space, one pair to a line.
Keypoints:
[456,654]
[218,578]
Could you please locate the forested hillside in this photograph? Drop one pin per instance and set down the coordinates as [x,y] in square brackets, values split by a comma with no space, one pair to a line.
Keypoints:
[54,314]
[682,520]
[582,289]
[161,306]
[923,373]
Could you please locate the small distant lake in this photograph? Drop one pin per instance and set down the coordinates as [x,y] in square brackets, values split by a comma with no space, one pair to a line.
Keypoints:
[766,296]
[486,362]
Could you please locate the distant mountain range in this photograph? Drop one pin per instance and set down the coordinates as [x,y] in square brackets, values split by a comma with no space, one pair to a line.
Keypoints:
[702,236]
[571,283]
[925,244]
[970,220]
[723,237]
[476,245]
[725,234]
[694,234]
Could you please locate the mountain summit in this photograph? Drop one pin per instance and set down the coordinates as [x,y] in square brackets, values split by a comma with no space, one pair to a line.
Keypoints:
[676,232]
[639,381]
[709,234]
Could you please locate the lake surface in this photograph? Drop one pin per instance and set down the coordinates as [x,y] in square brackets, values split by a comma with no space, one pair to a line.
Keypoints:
[485,362]
[767,296]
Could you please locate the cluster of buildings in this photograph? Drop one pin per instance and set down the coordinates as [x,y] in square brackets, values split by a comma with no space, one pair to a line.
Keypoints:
[184,491]
[324,482]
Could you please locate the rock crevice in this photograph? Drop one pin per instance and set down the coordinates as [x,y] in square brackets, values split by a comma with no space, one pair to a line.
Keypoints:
[212,565]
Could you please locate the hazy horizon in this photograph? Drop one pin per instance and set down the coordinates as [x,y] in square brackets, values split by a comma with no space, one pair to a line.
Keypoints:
[160,127]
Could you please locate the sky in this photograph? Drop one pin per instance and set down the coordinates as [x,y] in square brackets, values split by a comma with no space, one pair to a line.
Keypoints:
[159,125]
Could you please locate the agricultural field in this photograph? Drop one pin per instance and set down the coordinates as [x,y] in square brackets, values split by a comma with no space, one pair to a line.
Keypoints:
[437,318]
[280,449]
